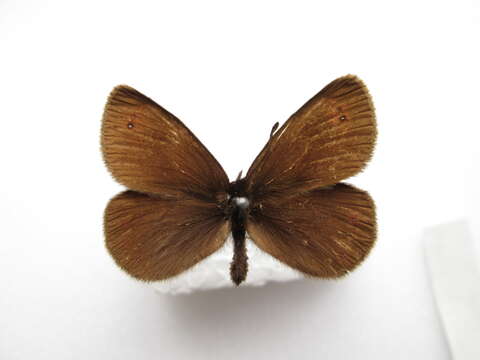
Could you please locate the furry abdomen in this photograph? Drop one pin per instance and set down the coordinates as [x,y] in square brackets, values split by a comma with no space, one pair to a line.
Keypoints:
[239,265]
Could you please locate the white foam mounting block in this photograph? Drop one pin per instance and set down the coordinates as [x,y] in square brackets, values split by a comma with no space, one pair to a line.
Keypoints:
[214,272]
[455,278]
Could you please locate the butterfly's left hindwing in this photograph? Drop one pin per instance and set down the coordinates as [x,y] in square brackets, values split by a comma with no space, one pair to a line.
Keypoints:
[153,239]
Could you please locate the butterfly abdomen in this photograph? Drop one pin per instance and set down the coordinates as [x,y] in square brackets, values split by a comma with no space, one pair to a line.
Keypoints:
[238,206]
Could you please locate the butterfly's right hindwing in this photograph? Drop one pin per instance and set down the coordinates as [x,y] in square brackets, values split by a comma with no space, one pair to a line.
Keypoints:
[324,233]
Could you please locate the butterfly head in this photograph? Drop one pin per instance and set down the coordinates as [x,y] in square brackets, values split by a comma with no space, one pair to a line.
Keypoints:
[237,197]
[242,202]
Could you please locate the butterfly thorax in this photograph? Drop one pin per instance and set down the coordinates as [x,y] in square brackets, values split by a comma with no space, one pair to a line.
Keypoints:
[237,209]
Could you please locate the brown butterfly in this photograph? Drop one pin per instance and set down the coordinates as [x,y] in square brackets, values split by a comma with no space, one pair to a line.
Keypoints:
[181,207]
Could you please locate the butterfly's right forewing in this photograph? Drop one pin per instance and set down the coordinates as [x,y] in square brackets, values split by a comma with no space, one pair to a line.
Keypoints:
[327,140]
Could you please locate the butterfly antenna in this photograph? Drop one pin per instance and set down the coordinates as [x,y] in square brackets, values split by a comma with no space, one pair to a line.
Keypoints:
[239,175]
[274,128]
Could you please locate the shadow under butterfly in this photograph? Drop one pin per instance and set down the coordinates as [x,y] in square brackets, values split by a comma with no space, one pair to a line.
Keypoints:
[181,207]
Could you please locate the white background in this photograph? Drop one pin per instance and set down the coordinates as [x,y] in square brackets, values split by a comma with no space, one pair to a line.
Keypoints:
[229,70]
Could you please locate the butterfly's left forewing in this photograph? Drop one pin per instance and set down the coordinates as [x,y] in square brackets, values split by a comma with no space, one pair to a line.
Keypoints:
[148,149]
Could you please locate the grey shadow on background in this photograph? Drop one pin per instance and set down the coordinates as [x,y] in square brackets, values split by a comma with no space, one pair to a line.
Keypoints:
[240,317]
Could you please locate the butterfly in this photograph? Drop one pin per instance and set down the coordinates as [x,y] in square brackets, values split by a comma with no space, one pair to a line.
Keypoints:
[180,206]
